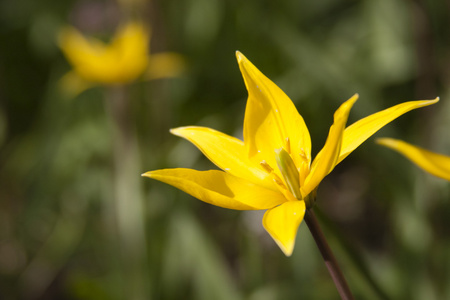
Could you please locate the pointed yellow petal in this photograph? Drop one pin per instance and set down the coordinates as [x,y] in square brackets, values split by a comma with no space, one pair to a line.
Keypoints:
[226,152]
[434,163]
[165,65]
[358,132]
[282,223]
[219,188]
[271,118]
[327,158]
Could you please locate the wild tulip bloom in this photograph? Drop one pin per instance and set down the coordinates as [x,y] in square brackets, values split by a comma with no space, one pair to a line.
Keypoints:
[433,163]
[123,60]
[272,168]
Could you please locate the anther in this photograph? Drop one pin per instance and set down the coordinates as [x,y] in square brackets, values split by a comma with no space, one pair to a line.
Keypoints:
[303,154]
[266,166]
[304,166]
[278,180]
[288,145]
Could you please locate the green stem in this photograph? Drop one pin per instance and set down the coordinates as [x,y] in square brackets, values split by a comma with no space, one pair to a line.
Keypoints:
[128,198]
[328,257]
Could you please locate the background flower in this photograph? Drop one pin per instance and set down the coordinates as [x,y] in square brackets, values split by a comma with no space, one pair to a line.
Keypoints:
[123,60]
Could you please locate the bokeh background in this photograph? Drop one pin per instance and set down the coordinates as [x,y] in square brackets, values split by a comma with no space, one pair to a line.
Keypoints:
[78,222]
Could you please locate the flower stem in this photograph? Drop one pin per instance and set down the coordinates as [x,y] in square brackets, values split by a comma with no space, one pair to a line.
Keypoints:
[128,199]
[328,257]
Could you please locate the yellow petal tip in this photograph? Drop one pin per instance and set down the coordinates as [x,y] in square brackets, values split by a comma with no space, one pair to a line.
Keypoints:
[179,130]
[282,223]
[386,141]
[354,98]
[429,102]
[240,57]
[147,174]
[287,249]
[174,131]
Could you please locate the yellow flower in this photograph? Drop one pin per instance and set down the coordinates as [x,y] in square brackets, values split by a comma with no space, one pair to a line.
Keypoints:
[121,61]
[272,168]
[434,163]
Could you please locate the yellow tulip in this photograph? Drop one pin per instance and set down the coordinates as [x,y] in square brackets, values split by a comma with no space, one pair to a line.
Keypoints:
[272,168]
[121,61]
[433,163]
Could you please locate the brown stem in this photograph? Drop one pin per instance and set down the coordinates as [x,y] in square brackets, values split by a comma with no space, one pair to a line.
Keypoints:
[328,257]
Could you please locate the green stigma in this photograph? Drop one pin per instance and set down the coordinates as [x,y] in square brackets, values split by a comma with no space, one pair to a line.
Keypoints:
[289,172]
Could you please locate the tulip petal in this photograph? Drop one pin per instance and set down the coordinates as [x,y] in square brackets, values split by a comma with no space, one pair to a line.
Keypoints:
[327,158]
[271,118]
[219,188]
[358,132]
[433,163]
[226,152]
[282,224]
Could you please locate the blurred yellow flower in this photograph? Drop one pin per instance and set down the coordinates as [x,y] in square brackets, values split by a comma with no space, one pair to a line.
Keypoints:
[272,169]
[433,163]
[121,61]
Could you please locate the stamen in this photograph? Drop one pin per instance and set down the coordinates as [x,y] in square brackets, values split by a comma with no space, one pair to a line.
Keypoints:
[304,166]
[278,180]
[303,155]
[288,145]
[266,166]
[282,188]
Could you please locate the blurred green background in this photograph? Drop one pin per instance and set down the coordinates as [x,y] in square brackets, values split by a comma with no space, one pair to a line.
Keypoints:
[64,161]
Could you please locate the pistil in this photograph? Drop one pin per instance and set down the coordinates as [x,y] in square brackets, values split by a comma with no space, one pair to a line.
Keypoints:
[289,172]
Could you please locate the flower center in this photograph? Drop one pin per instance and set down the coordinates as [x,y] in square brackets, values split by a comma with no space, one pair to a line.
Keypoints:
[289,172]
